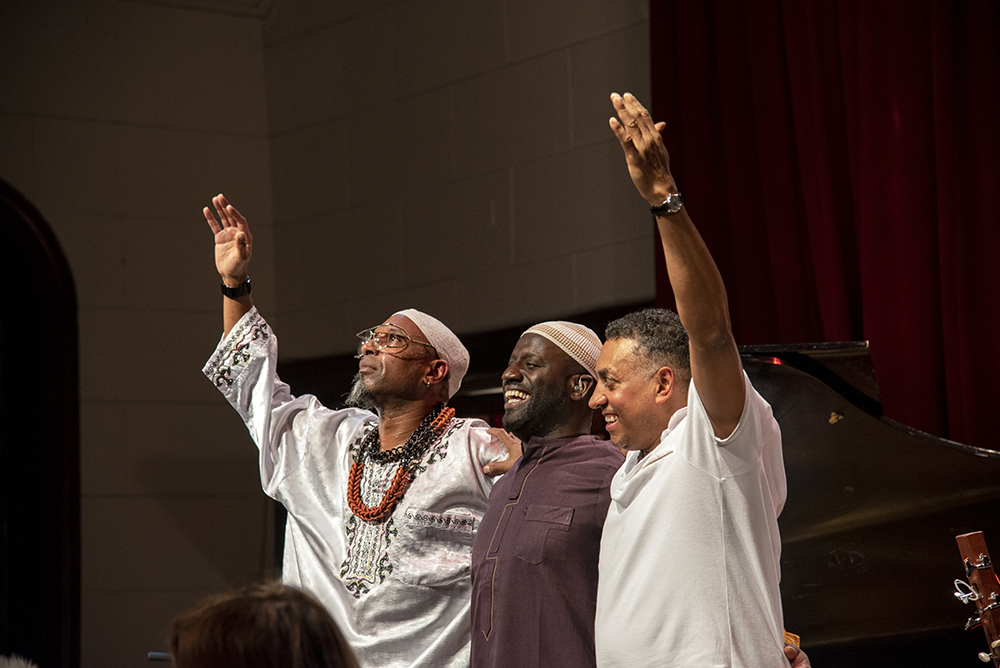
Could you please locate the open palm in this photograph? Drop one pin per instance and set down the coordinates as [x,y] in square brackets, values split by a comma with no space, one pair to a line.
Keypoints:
[233,241]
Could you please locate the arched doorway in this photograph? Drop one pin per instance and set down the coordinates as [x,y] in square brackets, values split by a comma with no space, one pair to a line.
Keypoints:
[39,442]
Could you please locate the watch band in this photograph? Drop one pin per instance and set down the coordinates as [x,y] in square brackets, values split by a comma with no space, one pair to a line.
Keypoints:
[672,204]
[241,290]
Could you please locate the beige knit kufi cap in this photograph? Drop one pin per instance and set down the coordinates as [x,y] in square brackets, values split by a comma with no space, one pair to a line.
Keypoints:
[447,345]
[577,341]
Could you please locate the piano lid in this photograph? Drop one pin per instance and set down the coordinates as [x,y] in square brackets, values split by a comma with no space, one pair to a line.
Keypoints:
[868,530]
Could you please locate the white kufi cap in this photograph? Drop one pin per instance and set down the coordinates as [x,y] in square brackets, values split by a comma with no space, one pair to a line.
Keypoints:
[447,345]
[577,341]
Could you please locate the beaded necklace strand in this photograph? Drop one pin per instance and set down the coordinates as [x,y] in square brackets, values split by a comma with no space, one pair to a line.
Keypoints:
[408,455]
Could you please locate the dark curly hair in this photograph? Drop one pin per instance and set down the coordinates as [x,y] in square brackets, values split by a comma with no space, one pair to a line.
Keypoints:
[659,336]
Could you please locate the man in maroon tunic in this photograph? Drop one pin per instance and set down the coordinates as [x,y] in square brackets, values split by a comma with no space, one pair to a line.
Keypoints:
[534,560]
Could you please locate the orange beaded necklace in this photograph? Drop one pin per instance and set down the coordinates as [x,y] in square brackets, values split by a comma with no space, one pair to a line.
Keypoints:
[408,455]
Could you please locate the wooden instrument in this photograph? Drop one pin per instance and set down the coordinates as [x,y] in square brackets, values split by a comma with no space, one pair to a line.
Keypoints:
[983,588]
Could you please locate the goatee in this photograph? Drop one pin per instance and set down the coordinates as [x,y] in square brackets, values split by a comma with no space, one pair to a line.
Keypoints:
[545,411]
[359,396]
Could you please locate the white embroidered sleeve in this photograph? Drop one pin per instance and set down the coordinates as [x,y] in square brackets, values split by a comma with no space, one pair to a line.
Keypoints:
[243,368]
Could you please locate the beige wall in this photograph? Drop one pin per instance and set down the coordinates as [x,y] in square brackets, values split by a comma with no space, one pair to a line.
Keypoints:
[452,156]
[119,120]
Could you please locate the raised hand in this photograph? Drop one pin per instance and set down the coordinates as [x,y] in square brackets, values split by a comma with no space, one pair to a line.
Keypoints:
[233,241]
[648,161]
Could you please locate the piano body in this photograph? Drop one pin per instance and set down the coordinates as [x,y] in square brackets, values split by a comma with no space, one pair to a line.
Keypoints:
[868,531]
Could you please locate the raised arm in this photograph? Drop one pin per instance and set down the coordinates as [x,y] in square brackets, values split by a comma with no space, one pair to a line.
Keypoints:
[700,294]
[233,247]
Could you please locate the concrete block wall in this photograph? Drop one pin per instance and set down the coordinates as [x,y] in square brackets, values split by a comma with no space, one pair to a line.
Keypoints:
[451,156]
[119,121]
[454,157]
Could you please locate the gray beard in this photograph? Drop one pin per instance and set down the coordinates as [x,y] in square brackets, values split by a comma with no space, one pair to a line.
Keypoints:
[359,396]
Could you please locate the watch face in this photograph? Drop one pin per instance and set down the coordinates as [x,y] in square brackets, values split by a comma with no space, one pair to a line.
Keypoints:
[672,204]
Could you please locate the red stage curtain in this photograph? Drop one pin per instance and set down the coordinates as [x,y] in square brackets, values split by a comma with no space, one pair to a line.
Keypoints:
[842,160]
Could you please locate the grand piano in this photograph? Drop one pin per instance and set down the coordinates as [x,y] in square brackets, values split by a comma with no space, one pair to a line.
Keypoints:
[869,557]
[868,532]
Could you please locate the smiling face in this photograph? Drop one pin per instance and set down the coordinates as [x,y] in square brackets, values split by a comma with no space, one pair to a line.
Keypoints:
[626,395]
[536,387]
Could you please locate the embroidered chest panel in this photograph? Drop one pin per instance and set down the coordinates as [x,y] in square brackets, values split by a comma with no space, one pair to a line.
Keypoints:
[367,563]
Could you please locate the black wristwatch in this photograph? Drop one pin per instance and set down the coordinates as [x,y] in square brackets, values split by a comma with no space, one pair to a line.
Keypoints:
[672,204]
[241,290]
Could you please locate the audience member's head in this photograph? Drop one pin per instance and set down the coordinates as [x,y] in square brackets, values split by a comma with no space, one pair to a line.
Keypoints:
[259,626]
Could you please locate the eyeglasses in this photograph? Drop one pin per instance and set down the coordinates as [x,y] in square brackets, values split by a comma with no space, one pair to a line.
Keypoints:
[387,336]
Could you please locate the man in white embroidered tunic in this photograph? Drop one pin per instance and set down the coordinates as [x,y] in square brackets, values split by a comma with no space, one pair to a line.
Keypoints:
[688,570]
[382,509]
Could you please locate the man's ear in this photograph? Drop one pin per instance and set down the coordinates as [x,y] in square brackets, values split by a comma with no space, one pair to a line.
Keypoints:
[664,379]
[580,386]
[437,371]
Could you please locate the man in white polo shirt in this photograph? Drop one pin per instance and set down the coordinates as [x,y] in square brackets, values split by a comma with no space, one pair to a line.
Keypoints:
[689,557]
